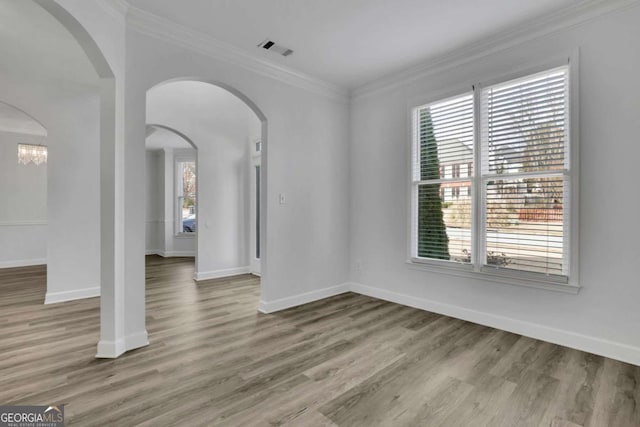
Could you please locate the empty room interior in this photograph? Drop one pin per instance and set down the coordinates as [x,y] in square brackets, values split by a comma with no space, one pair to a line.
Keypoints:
[304,213]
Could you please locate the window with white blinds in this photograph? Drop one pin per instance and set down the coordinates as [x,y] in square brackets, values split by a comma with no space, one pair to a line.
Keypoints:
[525,165]
[445,143]
[511,212]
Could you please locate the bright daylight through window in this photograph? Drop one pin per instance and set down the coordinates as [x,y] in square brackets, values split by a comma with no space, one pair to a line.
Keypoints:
[511,211]
[186,203]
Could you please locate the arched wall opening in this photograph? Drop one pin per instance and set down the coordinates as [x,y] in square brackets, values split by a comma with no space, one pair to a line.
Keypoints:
[169,233]
[56,71]
[225,127]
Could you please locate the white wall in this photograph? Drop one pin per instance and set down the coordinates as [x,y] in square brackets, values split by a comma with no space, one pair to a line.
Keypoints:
[305,157]
[23,204]
[74,199]
[154,202]
[604,317]
[70,113]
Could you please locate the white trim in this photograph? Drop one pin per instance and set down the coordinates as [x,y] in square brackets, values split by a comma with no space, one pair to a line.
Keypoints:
[574,165]
[497,275]
[186,235]
[22,131]
[602,347]
[56,297]
[170,254]
[546,26]
[296,300]
[110,349]
[22,223]
[137,340]
[23,263]
[114,349]
[217,274]
[612,349]
[163,29]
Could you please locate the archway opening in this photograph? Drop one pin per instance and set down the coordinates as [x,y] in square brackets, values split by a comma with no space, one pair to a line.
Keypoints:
[54,69]
[222,224]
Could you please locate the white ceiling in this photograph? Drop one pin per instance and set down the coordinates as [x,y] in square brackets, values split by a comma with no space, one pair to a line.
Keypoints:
[201,111]
[352,42]
[33,43]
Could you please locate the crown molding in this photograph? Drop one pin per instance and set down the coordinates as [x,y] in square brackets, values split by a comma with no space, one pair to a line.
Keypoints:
[163,29]
[545,26]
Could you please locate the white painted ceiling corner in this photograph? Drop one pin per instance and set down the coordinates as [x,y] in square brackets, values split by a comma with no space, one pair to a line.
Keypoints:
[338,54]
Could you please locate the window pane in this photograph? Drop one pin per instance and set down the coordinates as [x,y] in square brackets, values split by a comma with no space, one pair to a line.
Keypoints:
[524,124]
[445,137]
[188,208]
[444,221]
[524,224]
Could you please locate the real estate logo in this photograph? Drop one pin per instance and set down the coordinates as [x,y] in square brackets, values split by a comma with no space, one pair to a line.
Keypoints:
[32,416]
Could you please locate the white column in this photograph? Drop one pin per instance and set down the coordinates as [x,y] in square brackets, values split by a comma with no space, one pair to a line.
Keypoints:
[134,214]
[122,304]
[112,342]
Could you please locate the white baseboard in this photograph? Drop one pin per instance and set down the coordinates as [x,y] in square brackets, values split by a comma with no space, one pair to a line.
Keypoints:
[137,340]
[113,349]
[217,274]
[170,254]
[56,297]
[23,263]
[296,300]
[602,347]
[110,349]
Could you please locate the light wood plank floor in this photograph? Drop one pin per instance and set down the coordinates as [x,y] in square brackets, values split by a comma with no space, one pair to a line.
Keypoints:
[349,360]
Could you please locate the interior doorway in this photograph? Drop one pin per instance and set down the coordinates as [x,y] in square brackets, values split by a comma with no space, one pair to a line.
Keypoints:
[220,223]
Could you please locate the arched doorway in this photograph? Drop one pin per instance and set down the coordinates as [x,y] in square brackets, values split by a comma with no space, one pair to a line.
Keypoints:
[213,115]
[83,258]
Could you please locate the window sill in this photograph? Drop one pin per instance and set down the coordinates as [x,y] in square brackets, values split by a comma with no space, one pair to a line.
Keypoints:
[184,235]
[502,276]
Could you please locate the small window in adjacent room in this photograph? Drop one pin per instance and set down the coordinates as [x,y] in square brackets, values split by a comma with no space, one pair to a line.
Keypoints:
[186,196]
[511,218]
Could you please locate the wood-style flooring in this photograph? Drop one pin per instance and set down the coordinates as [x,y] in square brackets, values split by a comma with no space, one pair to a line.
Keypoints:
[349,360]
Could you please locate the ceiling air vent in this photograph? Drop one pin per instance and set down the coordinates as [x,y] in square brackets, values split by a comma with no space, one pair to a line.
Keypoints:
[271,46]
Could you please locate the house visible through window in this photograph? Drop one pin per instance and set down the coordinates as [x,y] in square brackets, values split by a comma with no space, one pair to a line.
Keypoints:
[522,182]
[186,196]
[456,170]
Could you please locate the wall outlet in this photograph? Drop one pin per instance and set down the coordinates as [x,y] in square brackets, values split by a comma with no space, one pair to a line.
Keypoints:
[358,267]
[283,199]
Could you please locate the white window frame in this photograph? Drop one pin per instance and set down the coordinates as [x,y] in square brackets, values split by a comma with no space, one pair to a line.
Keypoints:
[177,185]
[475,270]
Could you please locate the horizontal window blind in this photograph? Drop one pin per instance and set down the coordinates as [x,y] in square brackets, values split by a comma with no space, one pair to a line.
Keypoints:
[441,179]
[524,146]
